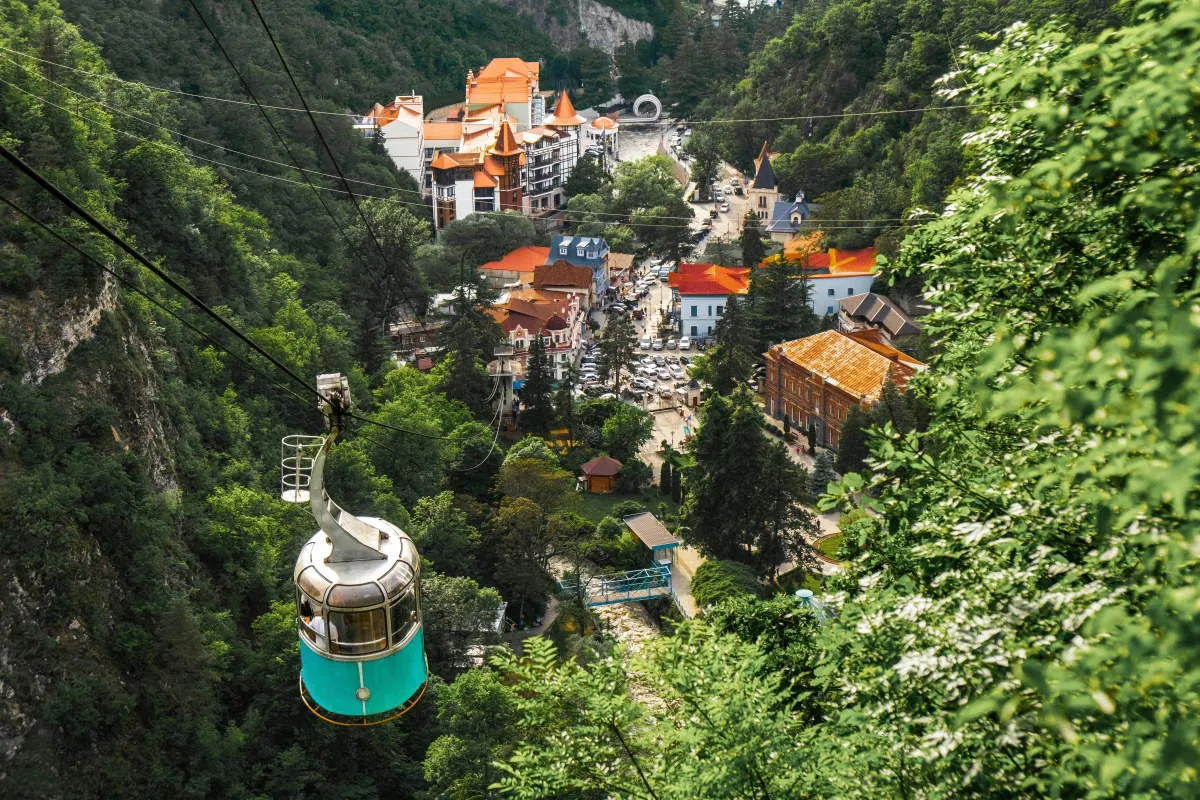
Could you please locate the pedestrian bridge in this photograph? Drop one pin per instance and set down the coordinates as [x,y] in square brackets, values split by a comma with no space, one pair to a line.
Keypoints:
[630,587]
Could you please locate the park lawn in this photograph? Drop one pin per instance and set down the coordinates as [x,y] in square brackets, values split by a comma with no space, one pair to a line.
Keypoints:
[597,506]
[831,546]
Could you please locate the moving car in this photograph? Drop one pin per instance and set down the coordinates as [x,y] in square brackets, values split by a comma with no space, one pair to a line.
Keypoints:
[724,206]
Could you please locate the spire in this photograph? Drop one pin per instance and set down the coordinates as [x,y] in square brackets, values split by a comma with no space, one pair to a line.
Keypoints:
[506,141]
[764,176]
[564,114]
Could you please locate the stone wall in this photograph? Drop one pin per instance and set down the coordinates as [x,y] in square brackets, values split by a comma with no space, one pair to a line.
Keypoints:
[571,23]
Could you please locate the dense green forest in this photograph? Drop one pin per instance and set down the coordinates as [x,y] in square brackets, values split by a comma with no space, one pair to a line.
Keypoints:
[1019,615]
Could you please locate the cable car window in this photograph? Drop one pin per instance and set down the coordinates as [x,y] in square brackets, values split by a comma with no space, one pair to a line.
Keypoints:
[358,632]
[404,617]
[356,595]
[309,611]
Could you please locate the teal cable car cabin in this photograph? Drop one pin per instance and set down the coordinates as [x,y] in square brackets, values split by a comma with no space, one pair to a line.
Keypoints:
[362,646]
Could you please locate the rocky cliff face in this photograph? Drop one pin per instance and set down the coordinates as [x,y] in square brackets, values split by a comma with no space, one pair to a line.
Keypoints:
[571,23]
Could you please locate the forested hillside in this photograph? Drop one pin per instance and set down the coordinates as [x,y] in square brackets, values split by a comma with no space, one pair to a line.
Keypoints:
[1018,615]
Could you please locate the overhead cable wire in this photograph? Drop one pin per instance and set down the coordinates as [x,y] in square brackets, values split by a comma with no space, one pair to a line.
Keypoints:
[118,79]
[126,282]
[732,121]
[197,139]
[329,152]
[167,278]
[271,124]
[148,140]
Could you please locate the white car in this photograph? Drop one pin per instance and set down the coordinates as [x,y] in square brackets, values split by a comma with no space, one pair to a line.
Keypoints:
[685,343]
[725,207]
[664,374]
[672,344]
[677,373]
[645,343]
[657,344]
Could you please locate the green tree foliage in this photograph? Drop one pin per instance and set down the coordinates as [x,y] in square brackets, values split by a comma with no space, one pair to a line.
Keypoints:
[458,615]
[664,479]
[534,478]
[487,237]
[537,414]
[476,712]
[821,475]
[754,250]
[618,346]
[903,412]
[723,730]
[743,491]
[588,178]
[626,430]
[716,581]
[778,304]
[444,536]
[706,160]
[729,361]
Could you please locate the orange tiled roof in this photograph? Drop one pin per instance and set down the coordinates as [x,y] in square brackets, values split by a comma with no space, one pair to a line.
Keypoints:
[443,130]
[523,259]
[601,467]
[845,262]
[503,80]
[562,273]
[604,123]
[484,181]
[443,161]
[859,368]
[564,115]
[506,142]
[804,245]
[710,279]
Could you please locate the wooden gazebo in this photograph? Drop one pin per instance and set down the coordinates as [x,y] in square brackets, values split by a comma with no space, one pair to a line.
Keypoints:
[600,474]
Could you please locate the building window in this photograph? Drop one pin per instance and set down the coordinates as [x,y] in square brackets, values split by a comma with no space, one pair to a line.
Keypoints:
[562,251]
[710,311]
[828,309]
[849,291]
[762,201]
[579,252]
[831,292]
[591,254]
[720,310]
[694,314]
[694,330]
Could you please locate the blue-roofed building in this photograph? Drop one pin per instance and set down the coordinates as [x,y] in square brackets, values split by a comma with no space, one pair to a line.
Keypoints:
[787,217]
[583,251]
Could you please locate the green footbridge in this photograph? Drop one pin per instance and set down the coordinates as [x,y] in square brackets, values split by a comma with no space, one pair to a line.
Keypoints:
[630,587]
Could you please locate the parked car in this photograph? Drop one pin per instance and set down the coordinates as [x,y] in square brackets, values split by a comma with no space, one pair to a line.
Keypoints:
[672,344]
[659,361]
[713,213]
[639,313]
[683,359]
[677,373]
[664,374]
[657,345]
[685,343]
[645,343]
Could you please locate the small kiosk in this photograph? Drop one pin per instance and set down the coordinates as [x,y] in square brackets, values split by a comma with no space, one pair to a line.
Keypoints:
[652,533]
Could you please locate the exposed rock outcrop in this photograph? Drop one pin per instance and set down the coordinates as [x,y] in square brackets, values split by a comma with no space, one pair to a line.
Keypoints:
[571,23]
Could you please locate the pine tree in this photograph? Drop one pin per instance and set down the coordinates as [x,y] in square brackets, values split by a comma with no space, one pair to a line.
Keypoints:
[778,304]
[754,250]
[564,401]
[539,411]
[677,485]
[852,444]
[730,360]
[822,474]
[664,479]
[618,343]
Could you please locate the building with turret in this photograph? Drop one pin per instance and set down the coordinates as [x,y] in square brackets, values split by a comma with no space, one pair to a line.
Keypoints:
[496,151]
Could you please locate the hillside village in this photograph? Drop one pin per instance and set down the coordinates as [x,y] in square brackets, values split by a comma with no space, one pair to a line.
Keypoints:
[615,399]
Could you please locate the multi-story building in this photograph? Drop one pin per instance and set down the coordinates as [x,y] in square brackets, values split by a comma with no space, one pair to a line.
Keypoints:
[557,317]
[584,251]
[497,150]
[815,381]
[703,291]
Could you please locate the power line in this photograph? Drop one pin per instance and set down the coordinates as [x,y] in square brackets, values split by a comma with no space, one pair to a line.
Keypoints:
[148,140]
[135,288]
[111,77]
[841,115]
[271,124]
[197,139]
[329,151]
